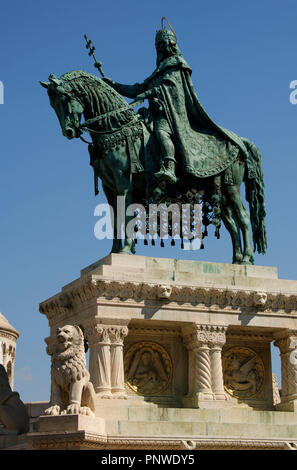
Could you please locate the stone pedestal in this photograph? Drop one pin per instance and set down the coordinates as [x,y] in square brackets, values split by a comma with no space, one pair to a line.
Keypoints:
[71,432]
[182,335]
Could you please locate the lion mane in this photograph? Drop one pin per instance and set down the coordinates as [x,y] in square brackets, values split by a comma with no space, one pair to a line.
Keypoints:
[68,370]
[70,365]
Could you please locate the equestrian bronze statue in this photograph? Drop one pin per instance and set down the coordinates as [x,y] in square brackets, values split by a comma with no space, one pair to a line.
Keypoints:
[169,152]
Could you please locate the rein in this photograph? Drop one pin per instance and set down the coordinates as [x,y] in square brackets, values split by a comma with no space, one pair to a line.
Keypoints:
[102,116]
[84,125]
[84,128]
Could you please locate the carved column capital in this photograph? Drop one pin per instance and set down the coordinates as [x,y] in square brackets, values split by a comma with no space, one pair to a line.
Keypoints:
[95,332]
[197,335]
[105,334]
[106,357]
[117,335]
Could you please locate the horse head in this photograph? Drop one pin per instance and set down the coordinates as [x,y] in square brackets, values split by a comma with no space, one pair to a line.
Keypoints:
[67,107]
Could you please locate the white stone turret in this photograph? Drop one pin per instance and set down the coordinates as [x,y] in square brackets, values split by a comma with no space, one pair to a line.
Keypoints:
[8,338]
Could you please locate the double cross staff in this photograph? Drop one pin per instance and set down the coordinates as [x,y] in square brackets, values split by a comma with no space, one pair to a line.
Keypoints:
[92,48]
[98,66]
[137,102]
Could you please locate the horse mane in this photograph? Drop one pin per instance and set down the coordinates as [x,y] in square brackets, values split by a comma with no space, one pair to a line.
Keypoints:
[98,98]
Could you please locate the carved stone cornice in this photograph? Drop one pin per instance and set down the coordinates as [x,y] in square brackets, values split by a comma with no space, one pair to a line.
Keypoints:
[9,335]
[150,331]
[92,288]
[86,440]
[249,336]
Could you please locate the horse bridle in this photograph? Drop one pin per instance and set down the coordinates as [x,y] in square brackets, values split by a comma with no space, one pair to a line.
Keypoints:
[84,126]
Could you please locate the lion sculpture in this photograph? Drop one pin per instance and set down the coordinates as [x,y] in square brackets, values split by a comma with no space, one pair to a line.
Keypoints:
[71,389]
[14,417]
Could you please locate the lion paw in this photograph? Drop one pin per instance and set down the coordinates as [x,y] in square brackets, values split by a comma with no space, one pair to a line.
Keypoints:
[52,410]
[73,409]
[85,410]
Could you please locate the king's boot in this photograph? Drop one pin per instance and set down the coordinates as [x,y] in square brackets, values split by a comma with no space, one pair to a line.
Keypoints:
[167,172]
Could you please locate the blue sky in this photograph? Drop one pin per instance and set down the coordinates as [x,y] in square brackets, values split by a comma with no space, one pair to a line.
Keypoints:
[243,56]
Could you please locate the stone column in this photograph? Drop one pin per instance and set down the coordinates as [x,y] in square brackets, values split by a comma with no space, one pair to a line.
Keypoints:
[206,387]
[217,341]
[286,341]
[117,335]
[106,358]
[99,364]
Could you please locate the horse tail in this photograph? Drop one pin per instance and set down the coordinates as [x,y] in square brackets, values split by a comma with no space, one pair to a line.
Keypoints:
[254,184]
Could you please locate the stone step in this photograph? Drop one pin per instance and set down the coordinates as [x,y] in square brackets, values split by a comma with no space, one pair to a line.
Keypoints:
[202,428]
[187,415]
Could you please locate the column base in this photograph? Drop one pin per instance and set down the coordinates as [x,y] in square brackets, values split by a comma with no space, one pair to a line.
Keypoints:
[120,395]
[206,400]
[199,400]
[220,396]
[103,393]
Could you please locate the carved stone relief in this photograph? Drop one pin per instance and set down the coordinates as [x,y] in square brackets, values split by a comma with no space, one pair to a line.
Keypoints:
[244,372]
[148,368]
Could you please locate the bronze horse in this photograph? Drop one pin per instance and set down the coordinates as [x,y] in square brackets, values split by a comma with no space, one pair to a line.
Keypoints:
[125,155]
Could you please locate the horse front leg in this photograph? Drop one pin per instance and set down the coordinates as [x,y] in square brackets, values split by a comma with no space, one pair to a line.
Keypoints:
[129,243]
[124,191]
[112,201]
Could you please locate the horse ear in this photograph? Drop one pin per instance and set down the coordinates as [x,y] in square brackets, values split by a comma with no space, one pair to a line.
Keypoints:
[53,79]
[44,84]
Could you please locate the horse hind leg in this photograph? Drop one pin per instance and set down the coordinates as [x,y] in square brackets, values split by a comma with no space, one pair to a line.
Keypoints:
[242,220]
[232,227]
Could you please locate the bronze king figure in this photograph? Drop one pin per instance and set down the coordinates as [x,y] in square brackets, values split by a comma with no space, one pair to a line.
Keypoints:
[169,152]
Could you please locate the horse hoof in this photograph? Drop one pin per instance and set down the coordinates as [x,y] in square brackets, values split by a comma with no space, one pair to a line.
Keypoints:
[238,259]
[124,251]
[248,260]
